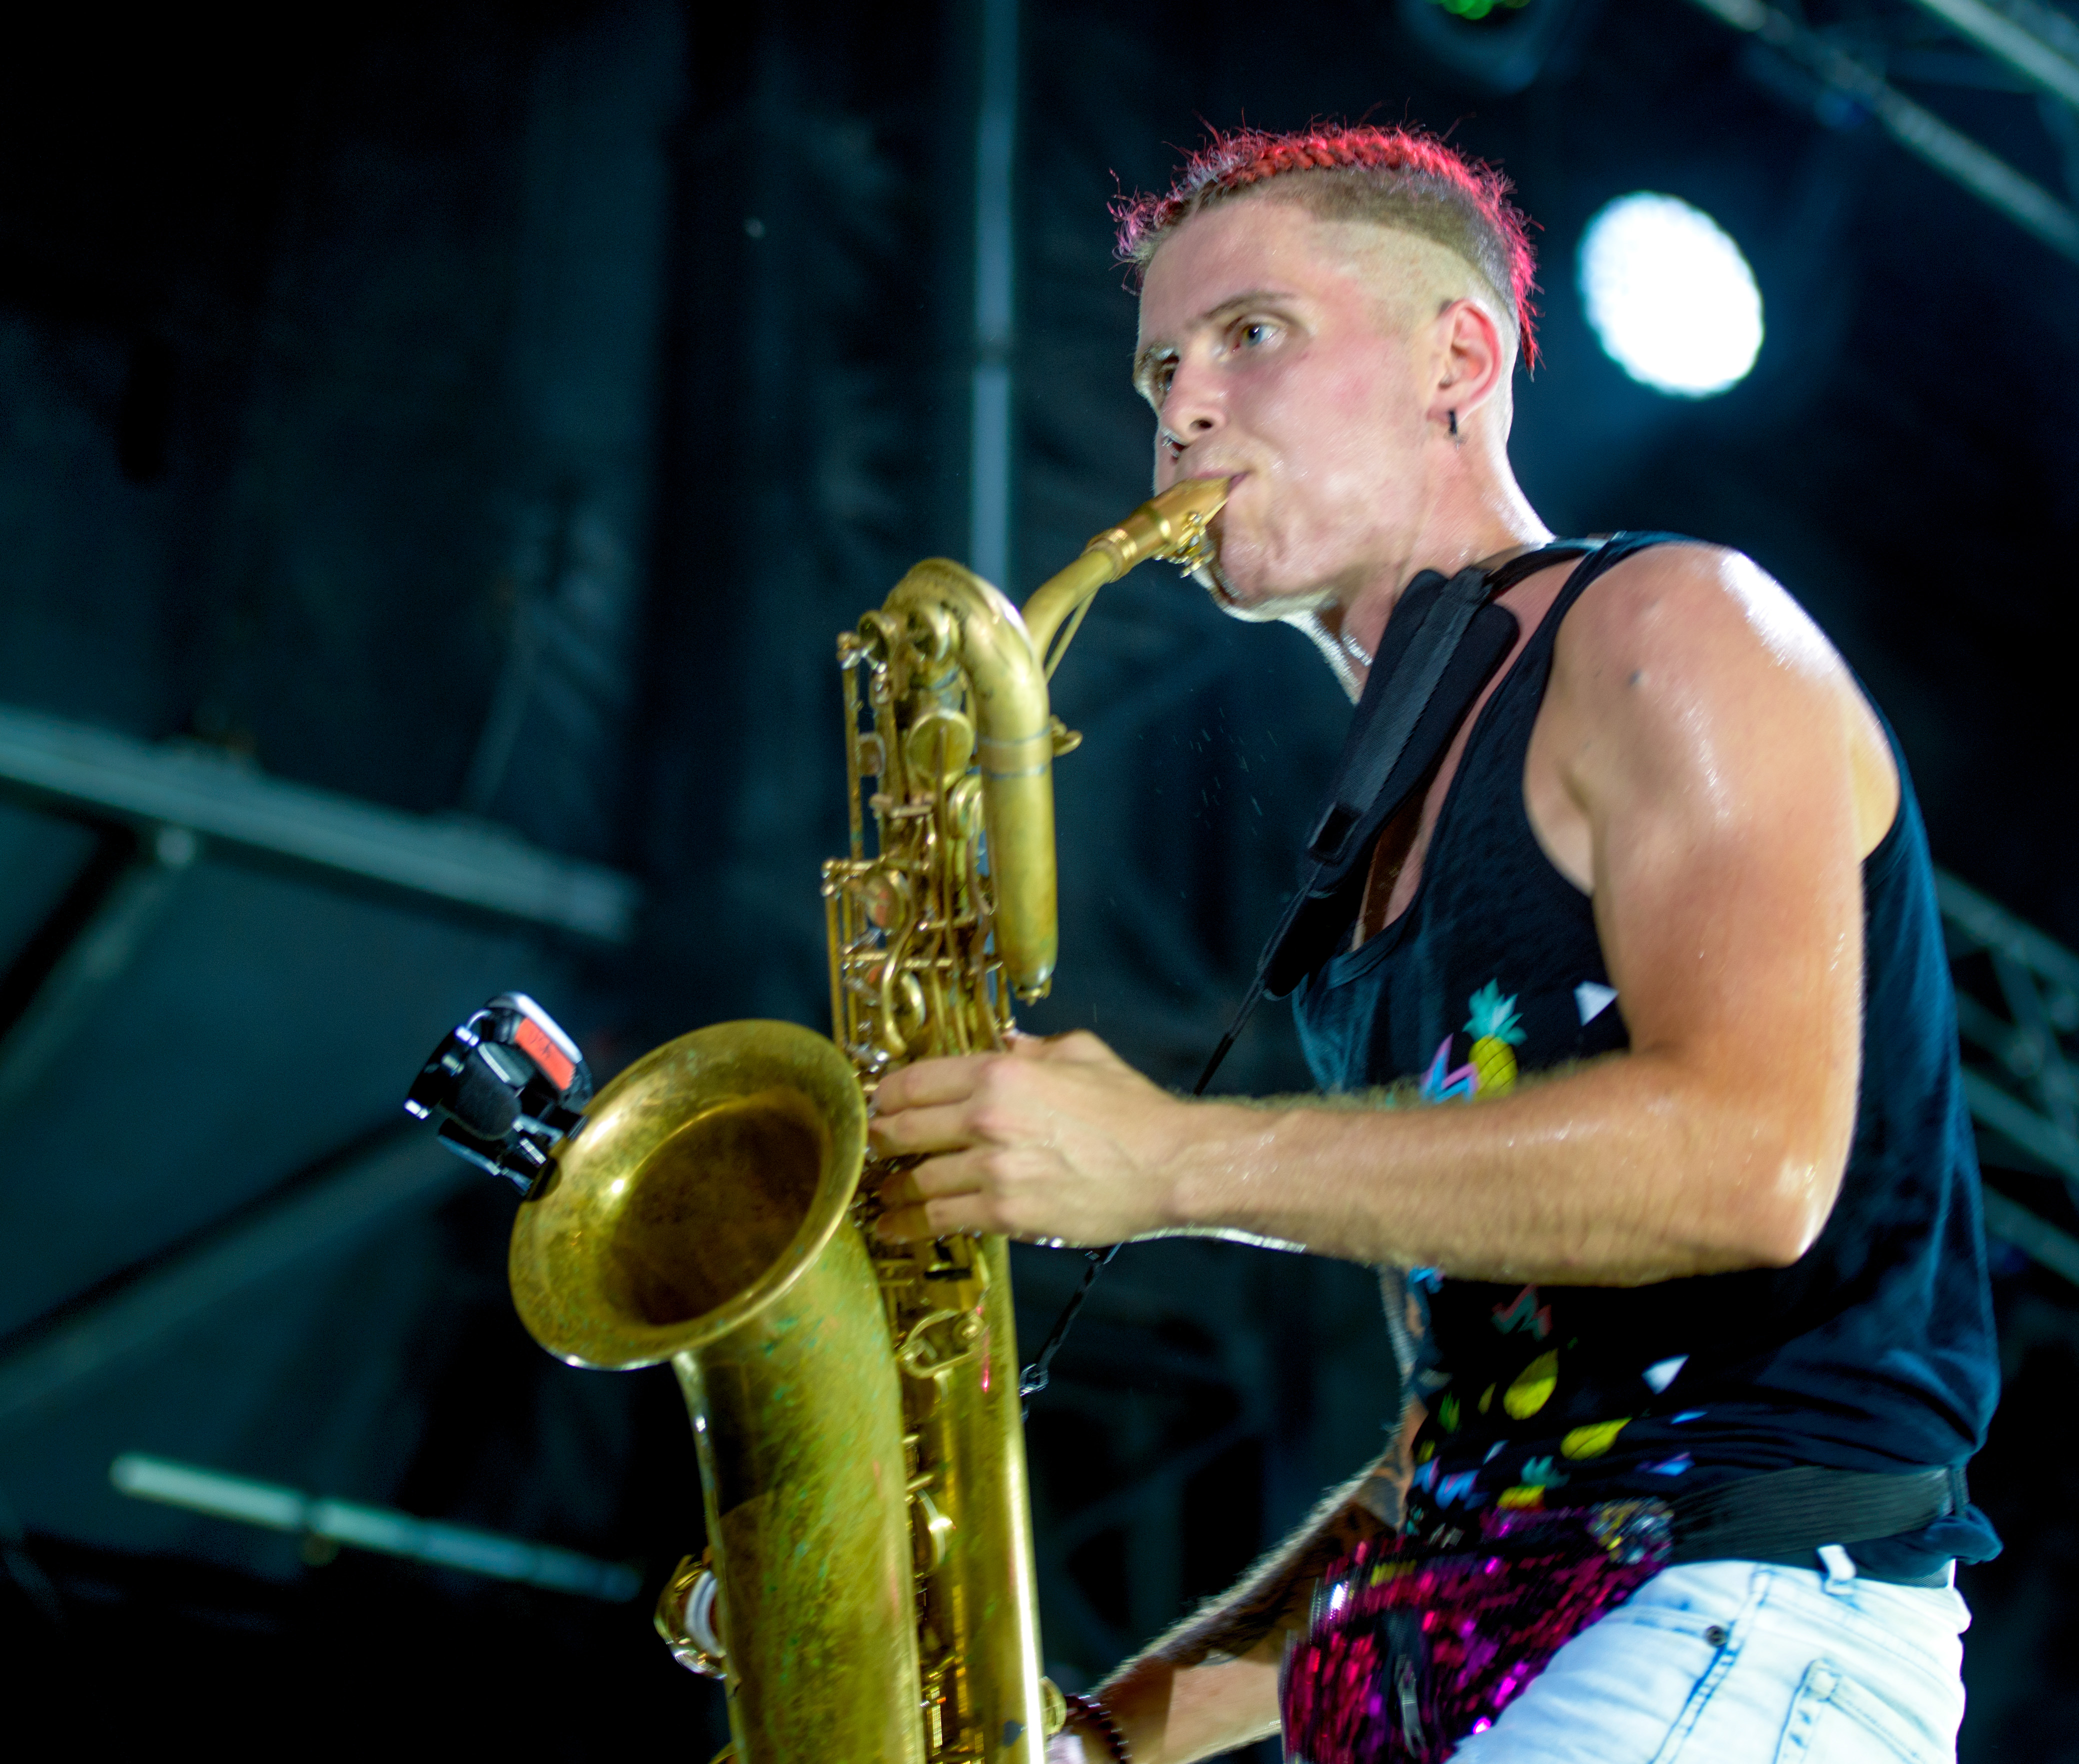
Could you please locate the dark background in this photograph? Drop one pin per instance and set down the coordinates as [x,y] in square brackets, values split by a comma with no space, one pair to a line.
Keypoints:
[495,410]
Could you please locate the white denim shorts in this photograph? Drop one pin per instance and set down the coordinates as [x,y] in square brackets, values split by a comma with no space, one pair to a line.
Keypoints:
[1742,1663]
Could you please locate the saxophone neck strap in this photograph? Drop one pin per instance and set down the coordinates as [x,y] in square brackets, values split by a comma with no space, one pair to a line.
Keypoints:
[1442,643]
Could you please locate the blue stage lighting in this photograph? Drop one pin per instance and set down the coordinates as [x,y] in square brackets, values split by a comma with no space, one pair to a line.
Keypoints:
[1669,295]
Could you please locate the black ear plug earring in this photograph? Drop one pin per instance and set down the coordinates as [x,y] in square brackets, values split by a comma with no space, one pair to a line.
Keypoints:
[1454,425]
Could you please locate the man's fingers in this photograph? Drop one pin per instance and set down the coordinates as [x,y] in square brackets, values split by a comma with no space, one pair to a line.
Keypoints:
[920,1224]
[935,1127]
[1078,1047]
[929,1082]
[936,1219]
[938,1197]
[905,1225]
[936,1179]
[944,1196]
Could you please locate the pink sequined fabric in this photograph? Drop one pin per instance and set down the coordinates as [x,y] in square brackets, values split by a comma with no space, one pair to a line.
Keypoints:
[1414,1647]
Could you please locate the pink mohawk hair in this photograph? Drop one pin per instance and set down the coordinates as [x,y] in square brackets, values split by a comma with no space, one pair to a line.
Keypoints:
[1418,175]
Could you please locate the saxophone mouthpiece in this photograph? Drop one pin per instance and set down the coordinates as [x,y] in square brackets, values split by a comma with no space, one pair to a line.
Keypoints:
[1173,526]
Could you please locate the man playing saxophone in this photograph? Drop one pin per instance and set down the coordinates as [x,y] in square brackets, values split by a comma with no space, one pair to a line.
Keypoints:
[1690,1306]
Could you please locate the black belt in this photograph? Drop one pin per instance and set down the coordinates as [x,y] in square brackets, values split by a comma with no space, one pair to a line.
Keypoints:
[1783,1516]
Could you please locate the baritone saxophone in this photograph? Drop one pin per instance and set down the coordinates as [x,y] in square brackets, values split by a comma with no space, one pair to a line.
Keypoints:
[867,1594]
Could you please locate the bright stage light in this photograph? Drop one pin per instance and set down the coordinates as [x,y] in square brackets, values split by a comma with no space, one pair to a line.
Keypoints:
[1670,296]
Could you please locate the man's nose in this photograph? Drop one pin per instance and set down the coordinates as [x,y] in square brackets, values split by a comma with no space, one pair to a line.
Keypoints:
[1193,409]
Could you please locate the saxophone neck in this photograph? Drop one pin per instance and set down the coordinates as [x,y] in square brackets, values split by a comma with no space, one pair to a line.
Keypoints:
[1172,525]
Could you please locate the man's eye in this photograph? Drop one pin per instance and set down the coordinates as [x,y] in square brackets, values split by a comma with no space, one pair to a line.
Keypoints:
[1254,333]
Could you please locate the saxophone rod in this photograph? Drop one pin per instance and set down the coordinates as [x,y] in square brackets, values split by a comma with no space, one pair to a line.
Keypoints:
[1171,525]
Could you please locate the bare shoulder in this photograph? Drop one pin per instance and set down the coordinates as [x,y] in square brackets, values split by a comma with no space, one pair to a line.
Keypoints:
[1693,654]
[1699,609]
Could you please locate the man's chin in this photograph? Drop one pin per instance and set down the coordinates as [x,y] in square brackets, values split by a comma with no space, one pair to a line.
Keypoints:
[1254,603]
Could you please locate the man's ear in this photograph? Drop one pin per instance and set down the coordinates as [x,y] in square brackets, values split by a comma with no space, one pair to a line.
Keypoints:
[1472,361]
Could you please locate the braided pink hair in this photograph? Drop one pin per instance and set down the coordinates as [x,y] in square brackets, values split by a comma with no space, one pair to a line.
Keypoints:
[1413,171]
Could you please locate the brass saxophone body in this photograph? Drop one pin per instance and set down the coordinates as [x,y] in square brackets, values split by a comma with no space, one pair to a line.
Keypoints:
[855,1405]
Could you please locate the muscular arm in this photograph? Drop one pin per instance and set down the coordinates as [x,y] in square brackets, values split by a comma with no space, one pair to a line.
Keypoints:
[1708,766]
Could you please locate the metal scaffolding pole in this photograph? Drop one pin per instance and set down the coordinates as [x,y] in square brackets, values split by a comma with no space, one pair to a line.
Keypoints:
[381,1529]
[2038,42]
[1919,130]
[186,790]
[996,134]
[96,955]
[402,1171]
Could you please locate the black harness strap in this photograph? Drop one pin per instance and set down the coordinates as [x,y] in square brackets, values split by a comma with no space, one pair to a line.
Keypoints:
[1440,647]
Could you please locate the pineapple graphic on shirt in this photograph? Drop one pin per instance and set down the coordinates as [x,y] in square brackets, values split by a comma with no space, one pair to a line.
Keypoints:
[1496,1033]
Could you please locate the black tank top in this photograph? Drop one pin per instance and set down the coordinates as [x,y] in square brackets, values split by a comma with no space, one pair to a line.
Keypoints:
[1874,1352]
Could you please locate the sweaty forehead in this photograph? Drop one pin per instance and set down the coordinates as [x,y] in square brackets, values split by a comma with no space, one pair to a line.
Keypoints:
[1239,252]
